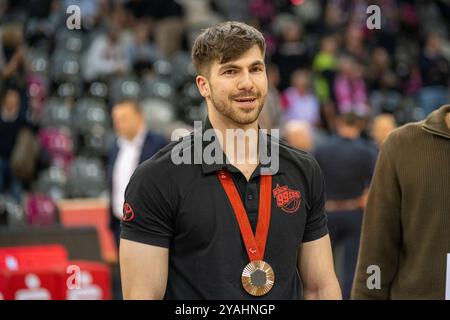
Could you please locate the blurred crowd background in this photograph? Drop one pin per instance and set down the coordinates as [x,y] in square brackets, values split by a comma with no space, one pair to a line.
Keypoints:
[336,89]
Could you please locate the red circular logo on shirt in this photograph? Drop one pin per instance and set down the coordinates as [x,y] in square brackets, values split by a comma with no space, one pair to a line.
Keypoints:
[287,199]
[128,213]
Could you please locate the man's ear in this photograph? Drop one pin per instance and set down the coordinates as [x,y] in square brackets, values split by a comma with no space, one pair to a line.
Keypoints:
[203,86]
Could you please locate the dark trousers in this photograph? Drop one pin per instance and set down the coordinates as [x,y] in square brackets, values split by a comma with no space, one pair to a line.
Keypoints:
[345,231]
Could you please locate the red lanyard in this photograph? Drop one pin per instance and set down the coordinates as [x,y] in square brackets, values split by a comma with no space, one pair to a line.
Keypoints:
[255,246]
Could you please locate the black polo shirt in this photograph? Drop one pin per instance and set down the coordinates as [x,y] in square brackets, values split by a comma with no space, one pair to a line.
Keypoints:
[185,209]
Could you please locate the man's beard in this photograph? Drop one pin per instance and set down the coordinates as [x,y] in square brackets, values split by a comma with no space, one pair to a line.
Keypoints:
[237,115]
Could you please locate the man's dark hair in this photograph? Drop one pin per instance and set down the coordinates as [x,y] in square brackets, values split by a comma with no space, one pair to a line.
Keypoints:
[130,101]
[224,42]
[351,119]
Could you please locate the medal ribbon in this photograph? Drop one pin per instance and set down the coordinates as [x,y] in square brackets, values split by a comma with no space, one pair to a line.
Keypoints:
[255,246]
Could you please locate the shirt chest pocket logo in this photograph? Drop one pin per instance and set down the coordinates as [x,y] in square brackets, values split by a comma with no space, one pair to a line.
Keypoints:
[287,199]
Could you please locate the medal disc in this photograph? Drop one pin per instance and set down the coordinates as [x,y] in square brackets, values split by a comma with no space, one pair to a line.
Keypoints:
[258,278]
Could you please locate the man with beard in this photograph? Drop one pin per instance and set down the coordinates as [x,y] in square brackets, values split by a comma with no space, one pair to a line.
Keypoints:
[227,225]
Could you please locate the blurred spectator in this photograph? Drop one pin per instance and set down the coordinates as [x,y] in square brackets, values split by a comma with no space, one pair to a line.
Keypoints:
[262,10]
[334,19]
[134,144]
[382,126]
[383,83]
[356,11]
[198,15]
[354,43]
[387,35]
[107,55]
[309,12]
[299,102]
[232,9]
[292,53]
[10,126]
[325,65]
[379,73]
[435,73]
[165,17]
[13,63]
[141,52]
[350,89]
[271,113]
[413,81]
[299,134]
[347,164]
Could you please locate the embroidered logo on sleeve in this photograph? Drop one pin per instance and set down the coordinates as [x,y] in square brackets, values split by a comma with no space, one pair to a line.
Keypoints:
[128,213]
[287,199]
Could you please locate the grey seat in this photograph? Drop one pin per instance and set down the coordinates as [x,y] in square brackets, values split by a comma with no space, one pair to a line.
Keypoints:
[123,87]
[57,113]
[191,104]
[184,70]
[158,113]
[39,61]
[98,89]
[11,212]
[52,181]
[97,142]
[88,113]
[66,66]
[86,178]
[69,40]
[161,88]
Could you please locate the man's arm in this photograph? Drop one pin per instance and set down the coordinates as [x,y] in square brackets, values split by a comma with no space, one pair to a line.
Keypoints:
[143,270]
[315,265]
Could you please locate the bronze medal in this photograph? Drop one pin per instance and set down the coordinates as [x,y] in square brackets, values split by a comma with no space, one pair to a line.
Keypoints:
[258,278]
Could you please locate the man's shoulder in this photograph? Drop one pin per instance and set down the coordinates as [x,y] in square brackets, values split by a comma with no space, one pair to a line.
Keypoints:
[404,141]
[154,136]
[294,155]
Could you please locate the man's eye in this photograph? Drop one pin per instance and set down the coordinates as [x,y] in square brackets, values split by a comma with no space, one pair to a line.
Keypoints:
[257,69]
[230,72]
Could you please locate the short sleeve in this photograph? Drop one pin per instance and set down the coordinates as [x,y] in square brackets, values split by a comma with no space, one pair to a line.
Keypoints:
[148,212]
[316,220]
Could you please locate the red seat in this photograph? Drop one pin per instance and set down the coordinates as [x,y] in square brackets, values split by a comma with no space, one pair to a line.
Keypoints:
[44,272]
[15,258]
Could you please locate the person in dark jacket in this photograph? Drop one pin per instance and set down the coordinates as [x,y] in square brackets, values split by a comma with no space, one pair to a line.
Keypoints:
[347,163]
[10,125]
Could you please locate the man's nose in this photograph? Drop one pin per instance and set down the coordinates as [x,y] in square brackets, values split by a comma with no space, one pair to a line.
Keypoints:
[245,81]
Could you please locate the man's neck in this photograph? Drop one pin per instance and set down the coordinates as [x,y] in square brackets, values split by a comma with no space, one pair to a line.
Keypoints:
[242,149]
[348,133]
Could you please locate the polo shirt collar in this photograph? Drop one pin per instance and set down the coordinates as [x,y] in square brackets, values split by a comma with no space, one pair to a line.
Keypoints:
[214,167]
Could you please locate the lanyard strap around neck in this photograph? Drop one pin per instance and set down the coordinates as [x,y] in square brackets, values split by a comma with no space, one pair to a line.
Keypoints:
[255,246]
